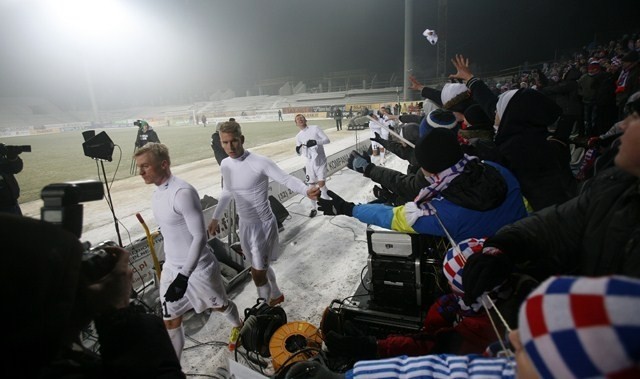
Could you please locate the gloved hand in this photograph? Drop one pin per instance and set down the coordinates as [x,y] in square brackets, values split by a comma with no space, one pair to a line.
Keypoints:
[377,138]
[593,142]
[298,149]
[311,143]
[177,289]
[358,347]
[382,193]
[358,162]
[335,206]
[483,272]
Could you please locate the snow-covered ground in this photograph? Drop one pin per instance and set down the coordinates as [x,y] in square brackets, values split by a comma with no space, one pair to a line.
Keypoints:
[321,258]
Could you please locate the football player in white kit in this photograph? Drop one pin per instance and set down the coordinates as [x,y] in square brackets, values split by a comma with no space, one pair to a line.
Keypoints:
[190,277]
[246,180]
[310,142]
[377,149]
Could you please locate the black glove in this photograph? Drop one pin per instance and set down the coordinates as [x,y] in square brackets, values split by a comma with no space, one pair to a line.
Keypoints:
[335,206]
[382,193]
[298,149]
[177,289]
[358,162]
[311,143]
[377,138]
[482,272]
[358,347]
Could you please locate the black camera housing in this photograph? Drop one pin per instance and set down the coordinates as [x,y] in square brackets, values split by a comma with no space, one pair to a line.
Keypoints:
[138,123]
[62,206]
[6,150]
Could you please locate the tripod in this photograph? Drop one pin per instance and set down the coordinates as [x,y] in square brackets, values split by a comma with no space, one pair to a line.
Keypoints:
[109,202]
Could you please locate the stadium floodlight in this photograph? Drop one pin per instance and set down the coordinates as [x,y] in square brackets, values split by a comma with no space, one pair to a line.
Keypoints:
[94,21]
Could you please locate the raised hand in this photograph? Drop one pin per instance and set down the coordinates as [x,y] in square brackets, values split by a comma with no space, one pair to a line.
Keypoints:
[462,66]
[415,84]
[358,162]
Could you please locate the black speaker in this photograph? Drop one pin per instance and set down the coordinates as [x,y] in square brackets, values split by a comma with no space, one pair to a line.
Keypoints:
[98,147]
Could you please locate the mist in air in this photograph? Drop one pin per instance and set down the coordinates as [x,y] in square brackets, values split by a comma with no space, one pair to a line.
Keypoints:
[156,52]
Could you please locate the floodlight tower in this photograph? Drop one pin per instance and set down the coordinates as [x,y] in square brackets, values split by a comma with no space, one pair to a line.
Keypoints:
[441,52]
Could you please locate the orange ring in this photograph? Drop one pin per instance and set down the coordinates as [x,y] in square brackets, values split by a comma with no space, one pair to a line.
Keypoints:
[291,338]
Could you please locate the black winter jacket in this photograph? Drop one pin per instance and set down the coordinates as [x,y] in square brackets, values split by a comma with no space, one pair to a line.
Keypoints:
[595,233]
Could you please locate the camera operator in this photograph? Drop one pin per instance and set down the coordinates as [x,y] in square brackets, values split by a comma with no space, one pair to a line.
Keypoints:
[52,301]
[10,164]
[146,133]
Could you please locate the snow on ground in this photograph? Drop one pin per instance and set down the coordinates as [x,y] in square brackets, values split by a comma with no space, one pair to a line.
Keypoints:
[321,258]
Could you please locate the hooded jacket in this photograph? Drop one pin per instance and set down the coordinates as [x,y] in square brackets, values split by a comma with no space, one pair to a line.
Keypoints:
[522,140]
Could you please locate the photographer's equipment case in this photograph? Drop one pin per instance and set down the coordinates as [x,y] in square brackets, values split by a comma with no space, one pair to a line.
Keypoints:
[405,269]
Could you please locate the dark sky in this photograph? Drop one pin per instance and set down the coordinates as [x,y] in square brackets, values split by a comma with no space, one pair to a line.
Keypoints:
[189,47]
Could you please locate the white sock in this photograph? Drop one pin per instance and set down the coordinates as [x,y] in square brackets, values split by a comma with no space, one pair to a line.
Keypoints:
[375,159]
[177,339]
[324,193]
[314,203]
[231,314]
[382,156]
[265,291]
[275,290]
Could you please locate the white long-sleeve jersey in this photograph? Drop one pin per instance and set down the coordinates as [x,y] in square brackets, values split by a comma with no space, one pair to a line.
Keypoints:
[246,180]
[177,210]
[315,153]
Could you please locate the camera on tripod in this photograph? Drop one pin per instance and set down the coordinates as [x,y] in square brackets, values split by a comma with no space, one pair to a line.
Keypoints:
[62,206]
[140,123]
[6,150]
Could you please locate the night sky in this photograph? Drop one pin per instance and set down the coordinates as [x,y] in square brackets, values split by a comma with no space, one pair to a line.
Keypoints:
[193,47]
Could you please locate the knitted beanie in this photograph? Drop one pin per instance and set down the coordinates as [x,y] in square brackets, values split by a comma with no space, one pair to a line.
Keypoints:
[454,261]
[438,150]
[451,90]
[579,327]
[477,118]
[441,118]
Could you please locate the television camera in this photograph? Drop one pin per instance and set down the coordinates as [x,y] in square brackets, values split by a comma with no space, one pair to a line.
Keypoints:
[7,150]
[62,206]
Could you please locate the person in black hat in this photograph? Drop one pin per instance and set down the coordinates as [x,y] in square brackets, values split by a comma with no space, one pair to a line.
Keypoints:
[628,81]
[466,196]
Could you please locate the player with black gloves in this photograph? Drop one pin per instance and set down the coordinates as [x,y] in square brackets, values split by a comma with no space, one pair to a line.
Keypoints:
[310,142]
[191,276]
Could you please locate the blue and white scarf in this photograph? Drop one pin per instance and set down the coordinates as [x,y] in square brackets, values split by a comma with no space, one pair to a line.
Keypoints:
[437,183]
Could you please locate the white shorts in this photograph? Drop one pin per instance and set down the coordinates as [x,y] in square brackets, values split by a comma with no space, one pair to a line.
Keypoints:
[205,290]
[315,172]
[260,242]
